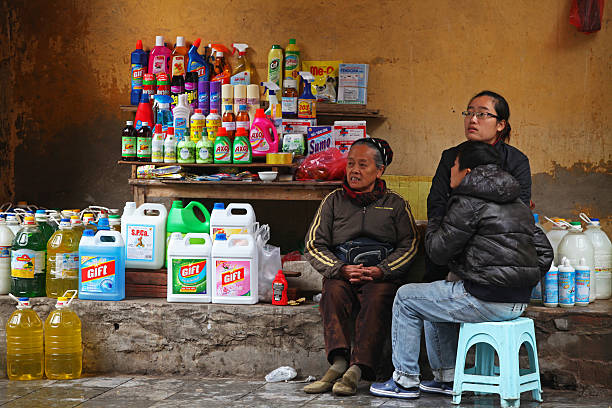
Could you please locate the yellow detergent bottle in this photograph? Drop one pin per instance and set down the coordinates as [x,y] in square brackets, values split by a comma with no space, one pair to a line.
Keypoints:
[63,260]
[24,343]
[63,350]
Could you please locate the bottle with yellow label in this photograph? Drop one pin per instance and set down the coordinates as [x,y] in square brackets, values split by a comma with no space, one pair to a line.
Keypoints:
[275,65]
[24,343]
[307,103]
[62,260]
[28,261]
[63,349]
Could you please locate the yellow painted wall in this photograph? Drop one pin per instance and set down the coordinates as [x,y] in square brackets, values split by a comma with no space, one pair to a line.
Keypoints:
[426,60]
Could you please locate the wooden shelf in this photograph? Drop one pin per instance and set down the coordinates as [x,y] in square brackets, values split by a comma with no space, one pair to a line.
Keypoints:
[240,190]
[323,109]
[128,108]
[211,165]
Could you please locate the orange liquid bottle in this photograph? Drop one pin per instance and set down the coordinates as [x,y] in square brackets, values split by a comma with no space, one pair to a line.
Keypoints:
[179,58]
[229,122]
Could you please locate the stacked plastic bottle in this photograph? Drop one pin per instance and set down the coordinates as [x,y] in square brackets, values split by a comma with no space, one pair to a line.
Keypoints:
[24,343]
[63,348]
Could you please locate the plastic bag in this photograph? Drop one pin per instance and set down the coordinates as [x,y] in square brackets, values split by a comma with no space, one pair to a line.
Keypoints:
[284,373]
[586,15]
[329,164]
[269,263]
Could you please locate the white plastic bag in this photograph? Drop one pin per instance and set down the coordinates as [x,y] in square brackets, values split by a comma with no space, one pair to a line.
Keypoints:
[269,263]
[284,373]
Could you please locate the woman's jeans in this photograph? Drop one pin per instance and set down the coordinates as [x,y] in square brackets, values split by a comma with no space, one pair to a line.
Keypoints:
[439,307]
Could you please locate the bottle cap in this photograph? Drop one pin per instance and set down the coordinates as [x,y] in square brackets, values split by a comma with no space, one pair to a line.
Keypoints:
[241,132]
[40,212]
[28,220]
[158,128]
[536,218]
[228,107]
[88,233]
[113,216]
[180,41]
[260,113]
[221,131]
[292,41]
[197,42]
[219,206]
[198,111]
[139,45]
[103,224]
[276,47]
[221,237]
[159,41]
[242,107]
[129,122]
[213,111]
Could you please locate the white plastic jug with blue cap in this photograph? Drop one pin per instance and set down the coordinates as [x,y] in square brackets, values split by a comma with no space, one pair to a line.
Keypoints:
[237,218]
[144,232]
[235,269]
[602,256]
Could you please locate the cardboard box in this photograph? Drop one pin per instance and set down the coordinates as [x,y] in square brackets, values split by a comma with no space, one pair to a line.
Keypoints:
[319,138]
[353,84]
[346,132]
[297,125]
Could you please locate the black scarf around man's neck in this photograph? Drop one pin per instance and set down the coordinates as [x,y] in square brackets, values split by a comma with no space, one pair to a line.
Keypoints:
[363,199]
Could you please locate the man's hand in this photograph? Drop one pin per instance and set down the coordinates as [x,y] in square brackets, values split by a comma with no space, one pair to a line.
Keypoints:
[359,273]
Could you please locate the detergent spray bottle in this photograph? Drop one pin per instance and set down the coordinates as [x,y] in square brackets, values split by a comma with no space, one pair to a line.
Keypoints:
[222,71]
[243,71]
[275,110]
[138,67]
[307,103]
[198,63]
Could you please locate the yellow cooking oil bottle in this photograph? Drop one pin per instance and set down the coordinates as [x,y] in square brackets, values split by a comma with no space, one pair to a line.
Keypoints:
[62,260]
[24,343]
[63,349]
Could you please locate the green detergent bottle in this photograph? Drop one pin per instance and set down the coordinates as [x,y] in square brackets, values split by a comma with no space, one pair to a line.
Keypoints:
[184,220]
[223,147]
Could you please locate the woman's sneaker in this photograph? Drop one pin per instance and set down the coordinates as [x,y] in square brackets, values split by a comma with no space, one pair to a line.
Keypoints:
[434,387]
[393,390]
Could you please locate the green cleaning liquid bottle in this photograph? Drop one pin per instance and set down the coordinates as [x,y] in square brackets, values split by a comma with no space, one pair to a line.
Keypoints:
[28,261]
[205,149]
[223,147]
[241,152]
[184,220]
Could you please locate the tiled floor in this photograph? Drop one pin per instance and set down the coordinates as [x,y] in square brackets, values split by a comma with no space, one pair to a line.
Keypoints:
[154,392]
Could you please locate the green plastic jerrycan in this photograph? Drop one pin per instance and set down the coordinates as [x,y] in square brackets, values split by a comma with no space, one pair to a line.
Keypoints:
[184,220]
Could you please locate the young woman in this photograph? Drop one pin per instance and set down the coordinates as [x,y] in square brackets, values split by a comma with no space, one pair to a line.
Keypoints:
[486,119]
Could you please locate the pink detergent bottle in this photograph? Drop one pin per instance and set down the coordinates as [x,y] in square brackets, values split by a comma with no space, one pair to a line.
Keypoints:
[159,60]
[263,136]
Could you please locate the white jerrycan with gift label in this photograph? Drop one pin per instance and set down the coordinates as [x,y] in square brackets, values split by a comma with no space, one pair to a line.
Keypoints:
[144,233]
[189,270]
[235,269]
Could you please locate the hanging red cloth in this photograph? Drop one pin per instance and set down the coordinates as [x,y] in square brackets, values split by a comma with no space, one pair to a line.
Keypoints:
[586,15]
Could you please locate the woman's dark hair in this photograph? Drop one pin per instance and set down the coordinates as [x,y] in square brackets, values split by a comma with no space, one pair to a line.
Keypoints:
[378,158]
[503,112]
[472,154]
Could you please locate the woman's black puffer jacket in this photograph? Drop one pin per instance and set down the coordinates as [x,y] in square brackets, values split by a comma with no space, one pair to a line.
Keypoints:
[488,236]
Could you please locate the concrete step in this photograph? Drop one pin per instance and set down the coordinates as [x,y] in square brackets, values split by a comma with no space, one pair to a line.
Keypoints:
[153,337]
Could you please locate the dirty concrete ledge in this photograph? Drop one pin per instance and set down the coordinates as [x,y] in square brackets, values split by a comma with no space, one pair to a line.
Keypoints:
[154,337]
[141,336]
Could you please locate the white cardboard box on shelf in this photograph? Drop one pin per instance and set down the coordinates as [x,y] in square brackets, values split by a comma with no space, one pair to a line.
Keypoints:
[353,84]
[297,125]
[346,132]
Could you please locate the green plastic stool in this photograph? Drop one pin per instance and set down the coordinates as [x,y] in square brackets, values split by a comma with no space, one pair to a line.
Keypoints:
[507,379]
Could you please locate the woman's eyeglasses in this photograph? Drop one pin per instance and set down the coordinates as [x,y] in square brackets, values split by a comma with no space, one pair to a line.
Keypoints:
[479,115]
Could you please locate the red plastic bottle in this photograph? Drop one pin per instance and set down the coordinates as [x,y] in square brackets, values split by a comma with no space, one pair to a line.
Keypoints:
[279,289]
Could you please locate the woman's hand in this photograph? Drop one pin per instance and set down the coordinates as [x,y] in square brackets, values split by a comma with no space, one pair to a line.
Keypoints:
[359,273]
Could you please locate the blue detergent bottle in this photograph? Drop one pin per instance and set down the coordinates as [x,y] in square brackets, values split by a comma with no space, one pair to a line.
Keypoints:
[102,264]
[138,61]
